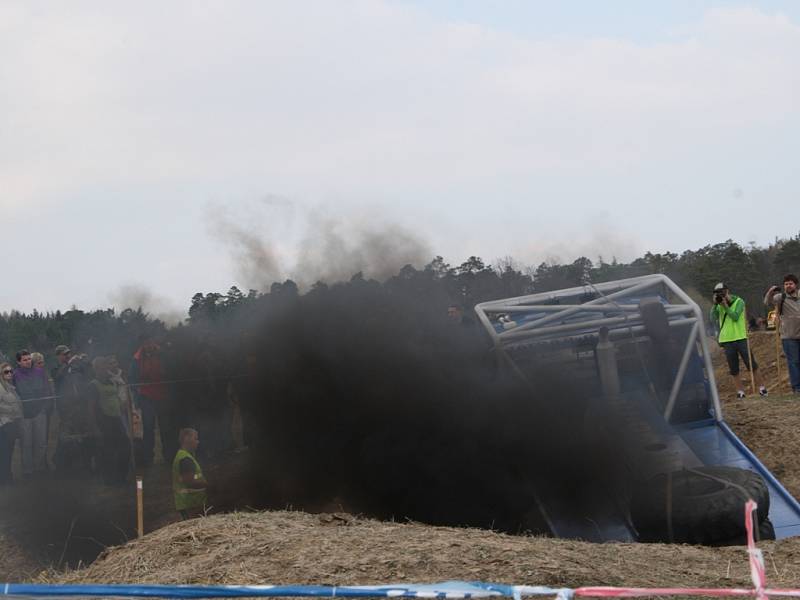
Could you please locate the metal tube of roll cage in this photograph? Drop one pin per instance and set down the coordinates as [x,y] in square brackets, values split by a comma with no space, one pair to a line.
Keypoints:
[712,380]
[615,286]
[676,385]
[635,324]
[487,324]
[601,300]
[520,332]
[614,334]
[671,308]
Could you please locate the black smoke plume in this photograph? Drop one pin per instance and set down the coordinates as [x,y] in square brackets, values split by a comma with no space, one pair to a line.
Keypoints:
[361,396]
[367,397]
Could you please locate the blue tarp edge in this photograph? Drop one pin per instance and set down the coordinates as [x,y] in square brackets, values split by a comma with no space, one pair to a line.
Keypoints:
[447,589]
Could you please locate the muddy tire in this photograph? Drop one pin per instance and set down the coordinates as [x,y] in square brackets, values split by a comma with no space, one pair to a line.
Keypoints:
[765,531]
[698,506]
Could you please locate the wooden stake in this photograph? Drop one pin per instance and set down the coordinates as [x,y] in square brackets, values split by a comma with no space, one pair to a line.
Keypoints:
[139,507]
[778,348]
[749,352]
[132,461]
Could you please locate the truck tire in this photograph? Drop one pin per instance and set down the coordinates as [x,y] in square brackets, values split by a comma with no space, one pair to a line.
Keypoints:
[697,506]
[765,531]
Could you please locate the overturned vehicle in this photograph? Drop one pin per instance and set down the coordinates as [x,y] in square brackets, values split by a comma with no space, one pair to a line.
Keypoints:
[681,474]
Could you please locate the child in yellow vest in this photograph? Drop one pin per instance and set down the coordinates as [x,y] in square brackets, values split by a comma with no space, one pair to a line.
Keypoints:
[188,483]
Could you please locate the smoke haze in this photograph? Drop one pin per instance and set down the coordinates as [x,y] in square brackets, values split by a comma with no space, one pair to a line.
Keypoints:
[275,238]
[135,296]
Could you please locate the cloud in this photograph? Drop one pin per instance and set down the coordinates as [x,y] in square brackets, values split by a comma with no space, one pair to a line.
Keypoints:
[315,95]
[475,139]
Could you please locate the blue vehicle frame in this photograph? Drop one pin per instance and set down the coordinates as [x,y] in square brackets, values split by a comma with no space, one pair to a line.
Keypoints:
[684,424]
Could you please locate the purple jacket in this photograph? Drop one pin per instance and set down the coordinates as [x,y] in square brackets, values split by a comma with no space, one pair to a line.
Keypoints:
[32,383]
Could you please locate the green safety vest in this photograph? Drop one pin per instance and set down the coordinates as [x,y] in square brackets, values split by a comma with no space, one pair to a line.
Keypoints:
[732,323]
[108,398]
[187,497]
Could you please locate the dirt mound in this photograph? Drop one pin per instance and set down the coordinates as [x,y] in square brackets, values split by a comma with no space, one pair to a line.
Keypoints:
[769,426]
[294,547]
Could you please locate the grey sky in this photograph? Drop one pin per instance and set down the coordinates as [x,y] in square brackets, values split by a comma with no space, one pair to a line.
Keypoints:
[513,130]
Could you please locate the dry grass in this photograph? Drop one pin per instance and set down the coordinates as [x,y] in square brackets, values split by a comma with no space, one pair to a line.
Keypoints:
[294,547]
[15,564]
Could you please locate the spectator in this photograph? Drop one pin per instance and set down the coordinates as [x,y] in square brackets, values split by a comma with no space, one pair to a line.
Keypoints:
[34,390]
[188,482]
[38,363]
[788,310]
[115,372]
[148,381]
[38,360]
[59,373]
[210,411]
[76,444]
[727,314]
[106,414]
[10,420]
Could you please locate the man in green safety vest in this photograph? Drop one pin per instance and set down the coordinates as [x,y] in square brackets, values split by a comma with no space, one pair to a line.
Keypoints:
[727,315]
[188,483]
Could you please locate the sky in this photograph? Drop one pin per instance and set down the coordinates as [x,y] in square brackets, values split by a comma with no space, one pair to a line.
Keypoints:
[152,150]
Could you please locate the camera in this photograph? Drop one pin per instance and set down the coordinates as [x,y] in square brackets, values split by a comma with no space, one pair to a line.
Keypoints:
[718,297]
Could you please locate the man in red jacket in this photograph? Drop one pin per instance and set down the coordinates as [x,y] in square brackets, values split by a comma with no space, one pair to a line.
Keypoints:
[151,392]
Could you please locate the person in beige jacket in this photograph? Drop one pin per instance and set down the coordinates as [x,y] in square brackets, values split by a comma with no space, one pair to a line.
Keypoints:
[787,305]
[10,419]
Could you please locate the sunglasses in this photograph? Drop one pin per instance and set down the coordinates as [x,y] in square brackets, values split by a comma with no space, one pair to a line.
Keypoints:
[7,372]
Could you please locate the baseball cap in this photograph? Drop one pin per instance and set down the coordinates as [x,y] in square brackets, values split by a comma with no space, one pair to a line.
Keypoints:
[720,286]
[62,349]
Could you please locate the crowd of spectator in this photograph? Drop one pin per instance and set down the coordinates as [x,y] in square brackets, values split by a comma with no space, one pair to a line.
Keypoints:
[728,319]
[87,416]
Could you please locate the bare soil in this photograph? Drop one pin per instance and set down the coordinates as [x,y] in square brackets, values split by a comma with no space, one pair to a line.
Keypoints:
[769,426]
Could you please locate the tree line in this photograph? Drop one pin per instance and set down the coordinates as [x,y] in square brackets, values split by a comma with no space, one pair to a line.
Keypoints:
[748,270]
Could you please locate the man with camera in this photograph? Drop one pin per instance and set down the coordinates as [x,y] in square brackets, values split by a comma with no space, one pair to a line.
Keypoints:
[788,310]
[728,316]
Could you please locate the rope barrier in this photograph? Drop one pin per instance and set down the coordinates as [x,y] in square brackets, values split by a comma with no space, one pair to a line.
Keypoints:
[444,590]
[144,383]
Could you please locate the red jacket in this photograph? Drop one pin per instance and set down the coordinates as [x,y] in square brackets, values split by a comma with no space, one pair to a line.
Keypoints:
[149,375]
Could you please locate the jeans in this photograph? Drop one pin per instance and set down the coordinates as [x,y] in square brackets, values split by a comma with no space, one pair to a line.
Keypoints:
[114,458]
[791,348]
[34,443]
[8,435]
[151,409]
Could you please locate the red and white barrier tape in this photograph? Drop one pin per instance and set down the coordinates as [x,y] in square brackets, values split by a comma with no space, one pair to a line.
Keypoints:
[757,572]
